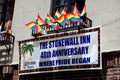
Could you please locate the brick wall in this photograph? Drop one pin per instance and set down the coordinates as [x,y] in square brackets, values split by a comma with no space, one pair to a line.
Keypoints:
[12,73]
[15,75]
[111,64]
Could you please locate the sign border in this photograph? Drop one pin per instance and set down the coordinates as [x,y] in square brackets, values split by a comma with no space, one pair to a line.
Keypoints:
[64,68]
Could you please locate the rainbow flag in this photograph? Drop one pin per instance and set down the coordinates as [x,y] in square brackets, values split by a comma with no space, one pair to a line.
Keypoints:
[75,10]
[58,27]
[72,17]
[64,11]
[0,27]
[57,14]
[39,20]
[31,25]
[84,13]
[1,38]
[61,20]
[53,25]
[40,29]
[49,22]
[49,19]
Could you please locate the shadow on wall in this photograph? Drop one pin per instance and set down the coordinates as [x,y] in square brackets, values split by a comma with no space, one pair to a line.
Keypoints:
[6,43]
[6,53]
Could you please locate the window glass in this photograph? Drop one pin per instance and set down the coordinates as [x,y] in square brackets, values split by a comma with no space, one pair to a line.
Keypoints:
[1,1]
[6,11]
[0,17]
[60,9]
[1,6]
[59,4]
[72,7]
[62,2]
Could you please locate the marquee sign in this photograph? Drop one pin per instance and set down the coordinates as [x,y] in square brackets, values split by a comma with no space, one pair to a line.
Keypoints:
[60,52]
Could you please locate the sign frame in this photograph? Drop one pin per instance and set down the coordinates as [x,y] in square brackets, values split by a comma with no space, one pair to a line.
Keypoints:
[64,68]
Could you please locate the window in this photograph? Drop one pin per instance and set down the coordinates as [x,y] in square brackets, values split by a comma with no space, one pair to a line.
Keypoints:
[116,59]
[69,4]
[1,1]
[6,11]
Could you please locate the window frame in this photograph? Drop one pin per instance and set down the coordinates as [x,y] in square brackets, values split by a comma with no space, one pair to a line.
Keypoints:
[68,4]
[5,11]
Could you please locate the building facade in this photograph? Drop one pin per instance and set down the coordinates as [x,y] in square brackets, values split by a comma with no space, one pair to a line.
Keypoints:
[104,13]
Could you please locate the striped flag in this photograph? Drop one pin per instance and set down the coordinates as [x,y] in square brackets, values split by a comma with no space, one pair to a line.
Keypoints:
[61,20]
[40,29]
[39,20]
[1,38]
[49,18]
[0,27]
[76,11]
[31,25]
[64,11]
[72,17]
[84,13]
[57,14]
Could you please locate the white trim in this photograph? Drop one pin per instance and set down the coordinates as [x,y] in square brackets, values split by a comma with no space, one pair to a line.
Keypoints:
[100,68]
[9,64]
